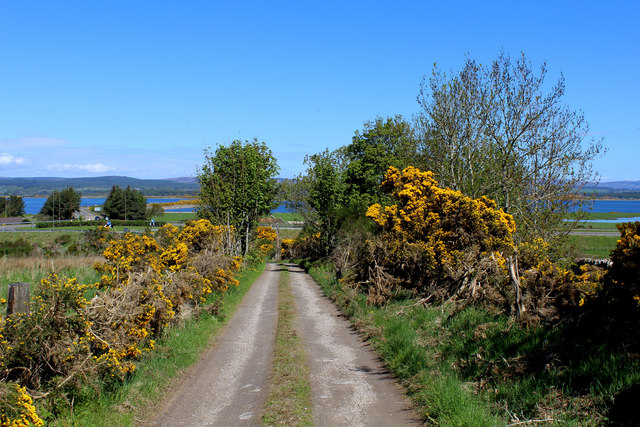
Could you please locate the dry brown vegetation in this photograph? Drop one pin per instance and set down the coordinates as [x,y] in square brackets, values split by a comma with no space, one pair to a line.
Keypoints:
[43,263]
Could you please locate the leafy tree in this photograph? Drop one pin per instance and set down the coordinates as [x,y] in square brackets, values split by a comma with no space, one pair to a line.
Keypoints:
[62,204]
[382,143]
[155,210]
[127,204]
[237,186]
[11,206]
[497,131]
[319,195]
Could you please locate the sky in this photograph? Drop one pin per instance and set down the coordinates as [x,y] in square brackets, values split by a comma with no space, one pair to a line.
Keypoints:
[142,88]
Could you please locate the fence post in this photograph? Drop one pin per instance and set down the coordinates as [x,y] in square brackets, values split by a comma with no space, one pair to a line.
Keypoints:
[18,297]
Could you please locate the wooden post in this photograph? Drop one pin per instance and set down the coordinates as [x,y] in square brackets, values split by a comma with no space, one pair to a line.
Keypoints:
[19,295]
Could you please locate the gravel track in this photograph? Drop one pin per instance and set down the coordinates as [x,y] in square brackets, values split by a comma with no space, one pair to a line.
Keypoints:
[349,384]
[228,387]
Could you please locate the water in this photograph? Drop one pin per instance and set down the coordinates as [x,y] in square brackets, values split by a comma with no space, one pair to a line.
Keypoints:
[32,205]
[616,220]
[621,206]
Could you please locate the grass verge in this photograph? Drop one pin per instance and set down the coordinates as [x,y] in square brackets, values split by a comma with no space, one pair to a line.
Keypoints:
[289,398]
[131,402]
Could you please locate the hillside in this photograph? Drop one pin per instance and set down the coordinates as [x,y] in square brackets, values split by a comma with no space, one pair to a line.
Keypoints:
[615,190]
[96,186]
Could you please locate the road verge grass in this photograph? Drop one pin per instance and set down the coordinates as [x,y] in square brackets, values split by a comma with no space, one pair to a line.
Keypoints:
[289,398]
[133,401]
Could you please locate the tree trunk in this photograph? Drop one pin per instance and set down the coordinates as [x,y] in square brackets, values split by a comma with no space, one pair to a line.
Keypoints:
[512,263]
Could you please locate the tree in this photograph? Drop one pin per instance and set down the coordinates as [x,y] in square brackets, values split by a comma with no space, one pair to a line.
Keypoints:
[127,204]
[11,206]
[382,143]
[155,210]
[62,204]
[496,131]
[318,195]
[237,186]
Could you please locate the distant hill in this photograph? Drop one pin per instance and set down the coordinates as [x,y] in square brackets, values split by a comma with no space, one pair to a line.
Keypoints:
[97,186]
[615,190]
[185,179]
[621,185]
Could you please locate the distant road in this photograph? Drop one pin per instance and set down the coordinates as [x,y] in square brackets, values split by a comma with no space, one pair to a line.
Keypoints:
[594,233]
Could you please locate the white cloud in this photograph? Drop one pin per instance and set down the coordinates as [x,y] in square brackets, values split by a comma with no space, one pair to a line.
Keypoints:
[8,159]
[89,167]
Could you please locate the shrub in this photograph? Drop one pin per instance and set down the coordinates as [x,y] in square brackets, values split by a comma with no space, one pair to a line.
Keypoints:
[17,247]
[433,240]
[16,407]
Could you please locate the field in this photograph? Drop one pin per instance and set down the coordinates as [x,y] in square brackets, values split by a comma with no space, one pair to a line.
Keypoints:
[593,246]
[50,251]
[600,243]
[177,216]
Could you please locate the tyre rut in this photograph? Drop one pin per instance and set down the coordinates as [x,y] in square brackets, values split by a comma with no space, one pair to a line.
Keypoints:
[349,384]
[229,385]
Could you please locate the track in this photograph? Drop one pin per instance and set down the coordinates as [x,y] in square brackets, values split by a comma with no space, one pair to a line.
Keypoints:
[229,385]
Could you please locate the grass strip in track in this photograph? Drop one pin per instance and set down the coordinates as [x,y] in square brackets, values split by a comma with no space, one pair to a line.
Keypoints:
[130,403]
[289,398]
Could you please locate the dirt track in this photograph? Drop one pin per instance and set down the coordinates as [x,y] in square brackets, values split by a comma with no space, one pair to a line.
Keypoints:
[348,382]
[229,385]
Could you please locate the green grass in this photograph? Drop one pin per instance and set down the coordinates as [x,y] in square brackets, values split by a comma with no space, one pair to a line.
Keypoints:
[289,398]
[39,237]
[33,269]
[612,215]
[598,226]
[177,216]
[593,246]
[289,216]
[608,215]
[131,403]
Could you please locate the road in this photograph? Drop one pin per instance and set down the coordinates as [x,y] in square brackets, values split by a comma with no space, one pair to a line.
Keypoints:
[229,385]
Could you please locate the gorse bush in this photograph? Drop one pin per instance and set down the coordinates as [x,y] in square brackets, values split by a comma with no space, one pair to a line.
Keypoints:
[68,343]
[439,244]
[16,407]
[433,239]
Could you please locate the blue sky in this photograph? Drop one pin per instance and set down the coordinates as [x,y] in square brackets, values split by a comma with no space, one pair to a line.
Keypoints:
[140,88]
